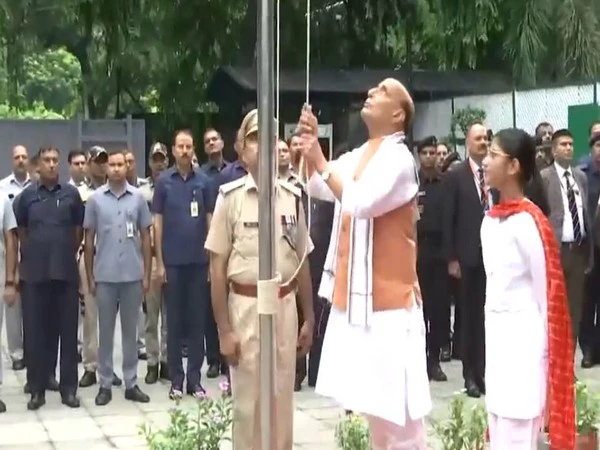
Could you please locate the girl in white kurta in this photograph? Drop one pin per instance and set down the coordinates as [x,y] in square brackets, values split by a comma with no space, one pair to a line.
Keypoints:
[525,289]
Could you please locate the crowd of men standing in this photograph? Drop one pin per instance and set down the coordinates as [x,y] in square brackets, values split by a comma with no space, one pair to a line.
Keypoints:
[76,253]
[453,200]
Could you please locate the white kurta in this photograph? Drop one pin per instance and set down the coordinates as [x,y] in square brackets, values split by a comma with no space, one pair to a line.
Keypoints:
[379,368]
[516,343]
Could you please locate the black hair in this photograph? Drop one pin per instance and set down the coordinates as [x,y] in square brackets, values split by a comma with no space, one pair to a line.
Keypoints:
[563,132]
[542,125]
[185,131]
[593,124]
[518,144]
[429,141]
[451,158]
[47,149]
[73,153]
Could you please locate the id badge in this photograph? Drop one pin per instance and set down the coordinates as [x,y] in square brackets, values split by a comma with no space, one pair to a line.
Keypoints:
[129,227]
[194,209]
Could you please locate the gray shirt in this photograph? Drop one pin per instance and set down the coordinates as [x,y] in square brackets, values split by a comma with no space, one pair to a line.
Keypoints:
[117,220]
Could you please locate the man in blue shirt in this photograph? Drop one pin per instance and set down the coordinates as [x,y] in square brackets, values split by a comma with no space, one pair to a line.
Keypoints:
[213,168]
[49,217]
[117,262]
[182,204]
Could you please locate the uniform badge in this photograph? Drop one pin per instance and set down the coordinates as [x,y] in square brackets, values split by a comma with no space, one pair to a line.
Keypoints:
[289,229]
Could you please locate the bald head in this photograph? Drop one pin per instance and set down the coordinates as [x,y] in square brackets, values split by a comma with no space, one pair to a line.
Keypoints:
[477,141]
[388,108]
[20,160]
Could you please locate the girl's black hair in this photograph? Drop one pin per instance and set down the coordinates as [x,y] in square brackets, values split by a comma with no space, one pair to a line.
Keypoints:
[519,145]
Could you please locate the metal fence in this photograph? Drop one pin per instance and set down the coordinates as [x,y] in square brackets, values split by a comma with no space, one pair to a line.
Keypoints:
[522,109]
[72,134]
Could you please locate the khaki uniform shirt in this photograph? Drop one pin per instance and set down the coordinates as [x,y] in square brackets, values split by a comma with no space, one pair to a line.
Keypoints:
[234,230]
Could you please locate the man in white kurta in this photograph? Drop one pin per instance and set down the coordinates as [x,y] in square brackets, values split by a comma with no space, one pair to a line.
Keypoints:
[376,306]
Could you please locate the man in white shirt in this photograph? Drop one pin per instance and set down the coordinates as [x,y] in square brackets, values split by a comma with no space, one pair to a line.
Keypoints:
[568,198]
[11,186]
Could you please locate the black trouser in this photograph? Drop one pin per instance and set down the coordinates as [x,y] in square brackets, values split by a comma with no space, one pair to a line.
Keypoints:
[50,313]
[300,362]
[322,309]
[213,353]
[187,297]
[589,336]
[472,327]
[433,279]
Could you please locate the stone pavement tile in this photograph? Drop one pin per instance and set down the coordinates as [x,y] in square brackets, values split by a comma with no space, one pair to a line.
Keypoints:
[40,446]
[128,442]
[322,414]
[11,417]
[118,406]
[61,412]
[156,420]
[79,429]
[100,444]
[15,434]
[119,426]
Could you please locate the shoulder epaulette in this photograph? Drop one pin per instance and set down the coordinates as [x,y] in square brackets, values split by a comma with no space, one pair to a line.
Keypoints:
[290,187]
[232,186]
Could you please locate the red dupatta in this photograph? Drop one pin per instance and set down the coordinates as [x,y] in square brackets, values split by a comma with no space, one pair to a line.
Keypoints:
[560,403]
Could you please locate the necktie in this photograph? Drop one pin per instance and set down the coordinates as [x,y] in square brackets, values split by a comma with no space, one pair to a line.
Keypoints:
[573,209]
[483,198]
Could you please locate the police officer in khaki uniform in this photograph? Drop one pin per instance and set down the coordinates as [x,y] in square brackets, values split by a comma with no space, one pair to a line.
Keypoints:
[233,245]
[156,346]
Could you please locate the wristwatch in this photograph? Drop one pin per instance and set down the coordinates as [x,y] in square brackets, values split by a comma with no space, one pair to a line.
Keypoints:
[325,175]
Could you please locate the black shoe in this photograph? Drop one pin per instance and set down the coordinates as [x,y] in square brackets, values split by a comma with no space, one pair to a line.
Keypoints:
[481,386]
[163,373]
[213,370]
[26,389]
[587,362]
[297,385]
[2,407]
[18,364]
[70,399]
[151,375]
[224,369]
[87,379]
[135,394]
[103,397]
[436,373]
[36,402]
[52,384]
[472,389]
[142,356]
[445,355]
[116,380]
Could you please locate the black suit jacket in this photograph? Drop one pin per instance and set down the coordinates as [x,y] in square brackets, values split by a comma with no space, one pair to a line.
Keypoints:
[462,216]
[320,234]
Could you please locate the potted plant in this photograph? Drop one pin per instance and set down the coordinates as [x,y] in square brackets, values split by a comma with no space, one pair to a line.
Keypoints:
[352,433]
[587,409]
[202,429]
[462,431]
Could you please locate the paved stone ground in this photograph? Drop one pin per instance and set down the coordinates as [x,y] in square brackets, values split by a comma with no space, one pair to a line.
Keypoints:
[117,425]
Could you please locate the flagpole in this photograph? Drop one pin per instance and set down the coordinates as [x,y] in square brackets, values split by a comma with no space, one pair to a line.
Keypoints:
[266,226]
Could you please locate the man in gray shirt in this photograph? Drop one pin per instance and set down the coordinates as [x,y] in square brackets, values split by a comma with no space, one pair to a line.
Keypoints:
[118,217]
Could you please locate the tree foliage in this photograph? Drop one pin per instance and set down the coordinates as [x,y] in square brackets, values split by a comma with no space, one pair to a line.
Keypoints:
[105,57]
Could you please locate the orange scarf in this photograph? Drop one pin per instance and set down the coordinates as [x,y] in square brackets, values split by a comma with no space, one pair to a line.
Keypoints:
[561,374]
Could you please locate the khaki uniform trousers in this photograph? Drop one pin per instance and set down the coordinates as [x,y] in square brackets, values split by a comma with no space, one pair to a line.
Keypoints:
[245,377]
[89,351]
[155,308]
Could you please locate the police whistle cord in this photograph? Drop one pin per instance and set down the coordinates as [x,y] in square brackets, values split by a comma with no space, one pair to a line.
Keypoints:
[303,169]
